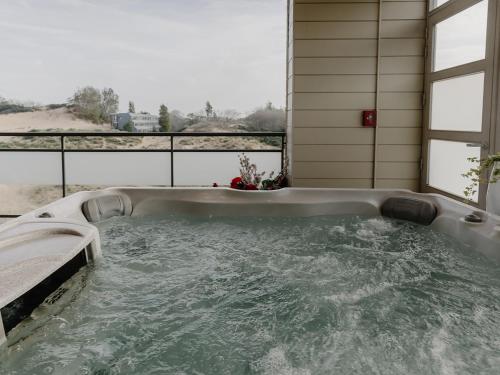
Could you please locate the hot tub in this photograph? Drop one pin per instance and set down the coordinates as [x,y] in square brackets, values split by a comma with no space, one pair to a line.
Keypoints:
[225,281]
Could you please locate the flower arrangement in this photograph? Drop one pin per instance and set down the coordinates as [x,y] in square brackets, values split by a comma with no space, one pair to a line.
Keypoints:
[251,179]
[476,175]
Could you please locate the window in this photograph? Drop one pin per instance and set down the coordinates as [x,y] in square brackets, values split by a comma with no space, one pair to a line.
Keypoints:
[461,39]
[457,103]
[459,88]
[448,161]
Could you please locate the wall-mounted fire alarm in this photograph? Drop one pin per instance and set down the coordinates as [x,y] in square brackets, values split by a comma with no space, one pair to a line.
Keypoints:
[370,118]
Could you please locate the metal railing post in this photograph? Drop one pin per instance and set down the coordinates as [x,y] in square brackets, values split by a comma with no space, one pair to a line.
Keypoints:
[283,145]
[63,167]
[171,161]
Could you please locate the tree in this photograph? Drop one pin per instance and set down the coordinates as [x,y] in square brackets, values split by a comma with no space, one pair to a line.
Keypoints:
[91,104]
[209,109]
[268,118]
[129,127]
[192,118]
[177,121]
[86,103]
[164,120]
[131,107]
[109,103]
[231,114]
[9,106]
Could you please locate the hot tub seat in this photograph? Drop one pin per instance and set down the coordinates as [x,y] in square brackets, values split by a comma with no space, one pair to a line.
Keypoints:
[31,252]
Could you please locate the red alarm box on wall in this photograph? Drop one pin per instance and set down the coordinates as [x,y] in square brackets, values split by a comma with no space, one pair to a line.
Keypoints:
[370,118]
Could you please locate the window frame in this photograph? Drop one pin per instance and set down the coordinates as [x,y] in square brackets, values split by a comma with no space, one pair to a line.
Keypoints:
[487,65]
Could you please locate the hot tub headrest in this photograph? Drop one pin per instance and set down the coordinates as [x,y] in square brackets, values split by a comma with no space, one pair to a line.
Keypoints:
[104,207]
[410,209]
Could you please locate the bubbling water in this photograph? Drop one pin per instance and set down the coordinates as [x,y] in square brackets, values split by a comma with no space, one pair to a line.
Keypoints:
[323,295]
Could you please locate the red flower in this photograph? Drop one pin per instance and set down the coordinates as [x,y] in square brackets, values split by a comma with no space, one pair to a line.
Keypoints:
[236,183]
[251,187]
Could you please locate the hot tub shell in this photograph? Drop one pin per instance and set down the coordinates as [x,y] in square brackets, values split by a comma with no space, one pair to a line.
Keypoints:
[36,245]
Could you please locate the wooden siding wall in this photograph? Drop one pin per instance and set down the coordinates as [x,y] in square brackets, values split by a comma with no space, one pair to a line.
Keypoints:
[333,77]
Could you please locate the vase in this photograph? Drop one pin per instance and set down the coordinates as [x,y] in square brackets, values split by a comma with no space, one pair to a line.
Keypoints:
[493,194]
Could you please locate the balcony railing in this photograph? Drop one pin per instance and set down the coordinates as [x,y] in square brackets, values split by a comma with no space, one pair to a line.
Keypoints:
[65,160]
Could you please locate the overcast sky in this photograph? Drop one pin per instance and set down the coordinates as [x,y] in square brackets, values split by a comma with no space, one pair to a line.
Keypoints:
[177,52]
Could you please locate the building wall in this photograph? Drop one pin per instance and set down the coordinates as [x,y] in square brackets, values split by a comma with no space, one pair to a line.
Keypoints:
[142,122]
[290,82]
[340,63]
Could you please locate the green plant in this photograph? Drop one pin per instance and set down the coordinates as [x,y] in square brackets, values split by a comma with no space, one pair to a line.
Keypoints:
[129,127]
[479,174]
[250,179]
[164,120]
[94,105]
[271,141]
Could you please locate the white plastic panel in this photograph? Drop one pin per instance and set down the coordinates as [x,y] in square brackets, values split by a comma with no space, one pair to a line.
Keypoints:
[447,162]
[118,168]
[30,168]
[203,169]
[457,103]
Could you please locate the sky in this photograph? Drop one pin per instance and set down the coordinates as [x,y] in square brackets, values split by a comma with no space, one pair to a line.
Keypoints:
[178,52]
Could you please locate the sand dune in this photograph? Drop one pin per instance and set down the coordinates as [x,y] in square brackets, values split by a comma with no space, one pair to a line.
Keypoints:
[53,119]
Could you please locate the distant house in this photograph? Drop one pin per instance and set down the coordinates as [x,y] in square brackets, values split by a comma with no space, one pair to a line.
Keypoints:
[140,122]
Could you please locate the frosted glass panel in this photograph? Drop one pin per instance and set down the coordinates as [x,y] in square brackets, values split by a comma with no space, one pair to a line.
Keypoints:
[461,39]
[118,168]
[31,168]
[195,169]
[457,103]
[437,3]
[447,162]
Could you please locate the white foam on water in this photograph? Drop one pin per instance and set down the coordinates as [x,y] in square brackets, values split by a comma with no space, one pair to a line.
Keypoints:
[337,229]
[264,335]
[442,351]
[275,362]
[376,231]
[359,294]
[478,314]
[439,352]
[379,225]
